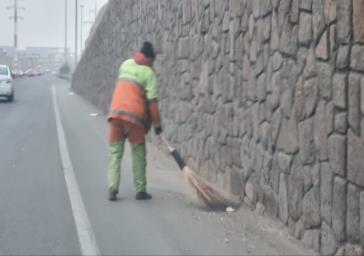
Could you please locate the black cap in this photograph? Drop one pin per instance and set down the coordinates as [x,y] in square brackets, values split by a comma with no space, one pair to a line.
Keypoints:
[148,50]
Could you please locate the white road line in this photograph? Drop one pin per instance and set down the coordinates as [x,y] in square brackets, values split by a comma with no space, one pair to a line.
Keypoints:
[85,233]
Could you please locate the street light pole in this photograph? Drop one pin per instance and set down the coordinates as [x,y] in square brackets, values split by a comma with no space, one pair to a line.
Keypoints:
[16,18]
[16,24]
[65,32]
[76,31]
[81,27]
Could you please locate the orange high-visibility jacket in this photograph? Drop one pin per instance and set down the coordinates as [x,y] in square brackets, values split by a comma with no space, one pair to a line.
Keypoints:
[135,97]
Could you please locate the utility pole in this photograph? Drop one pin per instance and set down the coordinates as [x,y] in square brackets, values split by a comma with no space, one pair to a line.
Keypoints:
[76,31]
[16,17]
[65,32]
[81,28]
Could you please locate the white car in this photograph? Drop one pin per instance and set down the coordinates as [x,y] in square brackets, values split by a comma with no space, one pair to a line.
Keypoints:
[6,83]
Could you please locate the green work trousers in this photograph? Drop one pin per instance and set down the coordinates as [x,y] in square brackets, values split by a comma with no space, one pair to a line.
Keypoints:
[116,151]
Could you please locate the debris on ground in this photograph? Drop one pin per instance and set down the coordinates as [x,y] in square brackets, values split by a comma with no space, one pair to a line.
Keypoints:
[94,114]
[226,240]
[71,93]
[230,209]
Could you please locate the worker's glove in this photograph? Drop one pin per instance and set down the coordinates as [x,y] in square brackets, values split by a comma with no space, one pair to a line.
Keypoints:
[158,130]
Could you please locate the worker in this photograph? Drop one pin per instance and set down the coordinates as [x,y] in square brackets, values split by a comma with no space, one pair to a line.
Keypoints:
[133,110]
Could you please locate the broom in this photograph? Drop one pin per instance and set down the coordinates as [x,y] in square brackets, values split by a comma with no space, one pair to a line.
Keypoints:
[210,196]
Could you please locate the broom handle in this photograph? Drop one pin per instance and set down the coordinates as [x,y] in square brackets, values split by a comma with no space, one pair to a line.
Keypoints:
[177,157]
[166,143]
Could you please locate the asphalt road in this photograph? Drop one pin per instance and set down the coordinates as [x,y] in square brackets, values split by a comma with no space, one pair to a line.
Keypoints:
[40,215]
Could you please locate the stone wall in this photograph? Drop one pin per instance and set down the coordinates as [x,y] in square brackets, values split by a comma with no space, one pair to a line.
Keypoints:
[265,98]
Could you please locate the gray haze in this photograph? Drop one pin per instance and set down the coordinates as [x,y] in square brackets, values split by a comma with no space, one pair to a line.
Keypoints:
[43,23]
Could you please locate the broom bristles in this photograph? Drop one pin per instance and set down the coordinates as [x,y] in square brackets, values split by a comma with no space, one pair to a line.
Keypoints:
[213,198]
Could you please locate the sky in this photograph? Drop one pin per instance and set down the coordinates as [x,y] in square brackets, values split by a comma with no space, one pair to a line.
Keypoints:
[43,24]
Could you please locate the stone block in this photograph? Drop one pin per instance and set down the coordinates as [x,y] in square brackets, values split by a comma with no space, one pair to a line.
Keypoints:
[306,141]
[325,72]
[333,41]
[330,11]
[187,12]
[288,137]
[353,214]
[299,101]
[322,48]
[311,208]
[260,208]
[276,126]
[355,161]
[204,23]
[274,40]
[341,122]
[328,242]
[262,87]
[305,29]
[289,39]
[295,191]
[311,239]
[283,199]
[284,162]
[250,191]
[265,134]
[251,88]
[357,57]
[306,5]
[337,154]
[362,217]
[275,175]
[226,22]
[277,61]
[299,228]
[344,19]
[321,131]
[362,96]
[184,48]
[311,177]
[358,20]
[226,44]
[266,28]
[354,102]
[287,99]
[310,69]
[339,87]
[339,209]
[330,117]
[294,15]
[343,57]
[271,203]
[236,145]
[311,95]
[261,8]
[276,84]
[318,19]
[326,192]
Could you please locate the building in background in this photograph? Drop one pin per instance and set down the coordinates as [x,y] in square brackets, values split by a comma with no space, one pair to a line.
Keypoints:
[40,58]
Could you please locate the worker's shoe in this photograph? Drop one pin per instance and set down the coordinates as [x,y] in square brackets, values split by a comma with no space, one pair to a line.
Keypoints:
[112,194]
[143,196]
